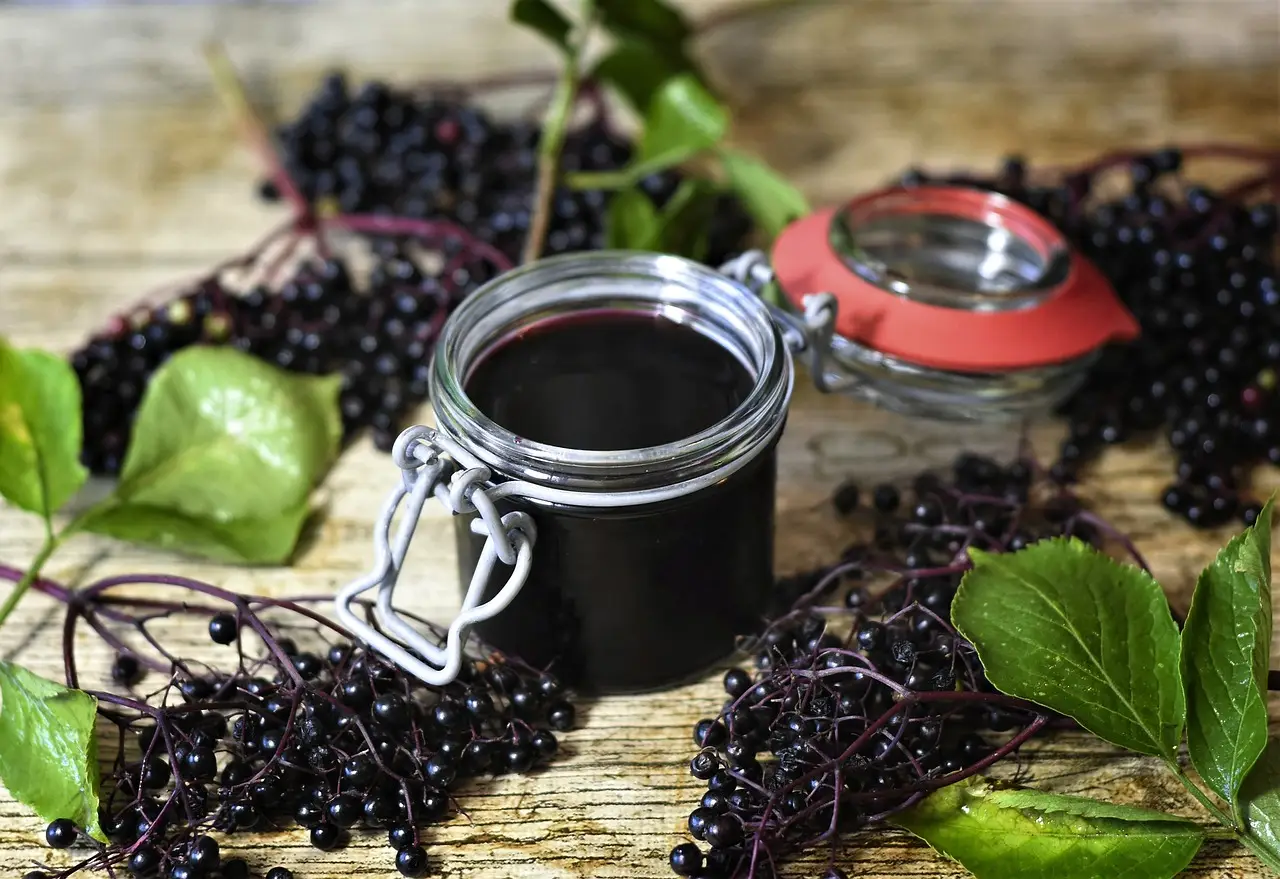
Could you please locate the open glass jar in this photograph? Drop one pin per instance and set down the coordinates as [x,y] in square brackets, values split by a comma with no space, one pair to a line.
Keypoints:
[607,421]
[632,553]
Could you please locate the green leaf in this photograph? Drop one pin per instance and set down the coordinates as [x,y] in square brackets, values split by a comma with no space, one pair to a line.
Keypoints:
[40,430]
[633,221]
[1027,834]
[683,116]
[1226,654]
[241,541]
[1259,800]
[1063,625]
[649,21]
[223,441]
[771,200]
[48,752]
[637,70]
[541,16]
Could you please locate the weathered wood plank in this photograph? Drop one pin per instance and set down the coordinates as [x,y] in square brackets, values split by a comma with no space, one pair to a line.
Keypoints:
[119,173]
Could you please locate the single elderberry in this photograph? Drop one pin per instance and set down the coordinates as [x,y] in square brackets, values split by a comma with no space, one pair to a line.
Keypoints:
[279,873]
[412,861]
[223,628]
[561,716]
[401,836]
[325,836]
[61,833]
[686,859]
[144,861]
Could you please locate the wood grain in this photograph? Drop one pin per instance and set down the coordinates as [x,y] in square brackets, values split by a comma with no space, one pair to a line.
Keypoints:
[119,173]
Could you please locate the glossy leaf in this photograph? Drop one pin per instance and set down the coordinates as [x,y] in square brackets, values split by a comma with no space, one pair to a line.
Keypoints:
[240,541]
[1063,625]
[649,21]
[223,440]
[772,201]
[633,221]
[683,117]
[1026,834]
[40,430]
[1226,654]
[48,752]
[541,16]
[1259,802]
[637,70]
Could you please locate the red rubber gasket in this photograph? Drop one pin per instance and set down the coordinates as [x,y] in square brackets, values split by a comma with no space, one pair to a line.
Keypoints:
[1079,316]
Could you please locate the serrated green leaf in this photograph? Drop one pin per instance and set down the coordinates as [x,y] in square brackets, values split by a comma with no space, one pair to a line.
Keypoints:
[40,430]
[1063,625]
[633,221]
[772,201]
[637,70]
[683,116]
[241,541]
[1025,834]
[650,21]
[1259,802]
[223,441]
[541,16]
[48,752]
[1226,655]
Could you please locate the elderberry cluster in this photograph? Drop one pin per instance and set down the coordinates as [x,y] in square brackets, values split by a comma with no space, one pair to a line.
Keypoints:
[378,334]
[387,150]
[1197,267]
[330,739]
[863,697]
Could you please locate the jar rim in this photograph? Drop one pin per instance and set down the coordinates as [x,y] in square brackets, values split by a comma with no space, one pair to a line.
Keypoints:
[670,286]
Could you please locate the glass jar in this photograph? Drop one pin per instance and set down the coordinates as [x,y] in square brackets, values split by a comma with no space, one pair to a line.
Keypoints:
[647,562]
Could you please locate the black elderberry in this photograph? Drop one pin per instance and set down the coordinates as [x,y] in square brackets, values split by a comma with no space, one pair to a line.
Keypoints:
[519,757]
[724,831]
[359,771]
[308,666]
[846,498]
[736,682]
[704,765]
[235,868]
[549,686]
[871,637]
[144,861]
[435,806]
[223,628]
[325,836]
[715,801]
[401,836]
[439,773]
[243,815]
[390,709]
[686,859]
[479,704]
[378,810]
[524,702]
[357,693]
[125,670]
[344,810]
[279,873]
[412,861]
[155,774]
[195,689]
[338,653]
[308,814]
[885,498]
[182,870]
[203,855]
[544,743]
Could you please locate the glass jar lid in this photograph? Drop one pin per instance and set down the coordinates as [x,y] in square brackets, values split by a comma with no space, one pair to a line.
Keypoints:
[952,278]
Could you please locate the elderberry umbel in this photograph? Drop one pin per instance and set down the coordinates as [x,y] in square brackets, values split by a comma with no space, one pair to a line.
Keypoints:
[376,327]
[388,150]
[863,697]
[264,731]
[1197,267]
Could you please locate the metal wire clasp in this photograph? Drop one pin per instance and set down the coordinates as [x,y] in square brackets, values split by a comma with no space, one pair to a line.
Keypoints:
[811,333]
[433,465]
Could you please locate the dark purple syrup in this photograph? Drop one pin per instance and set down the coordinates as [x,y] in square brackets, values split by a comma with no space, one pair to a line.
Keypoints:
[608,382]
[640,597]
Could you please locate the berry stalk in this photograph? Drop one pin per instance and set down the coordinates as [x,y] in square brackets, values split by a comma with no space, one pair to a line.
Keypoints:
[555,128]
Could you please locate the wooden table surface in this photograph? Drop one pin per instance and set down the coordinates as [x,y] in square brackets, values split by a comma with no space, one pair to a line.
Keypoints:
[118,172]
